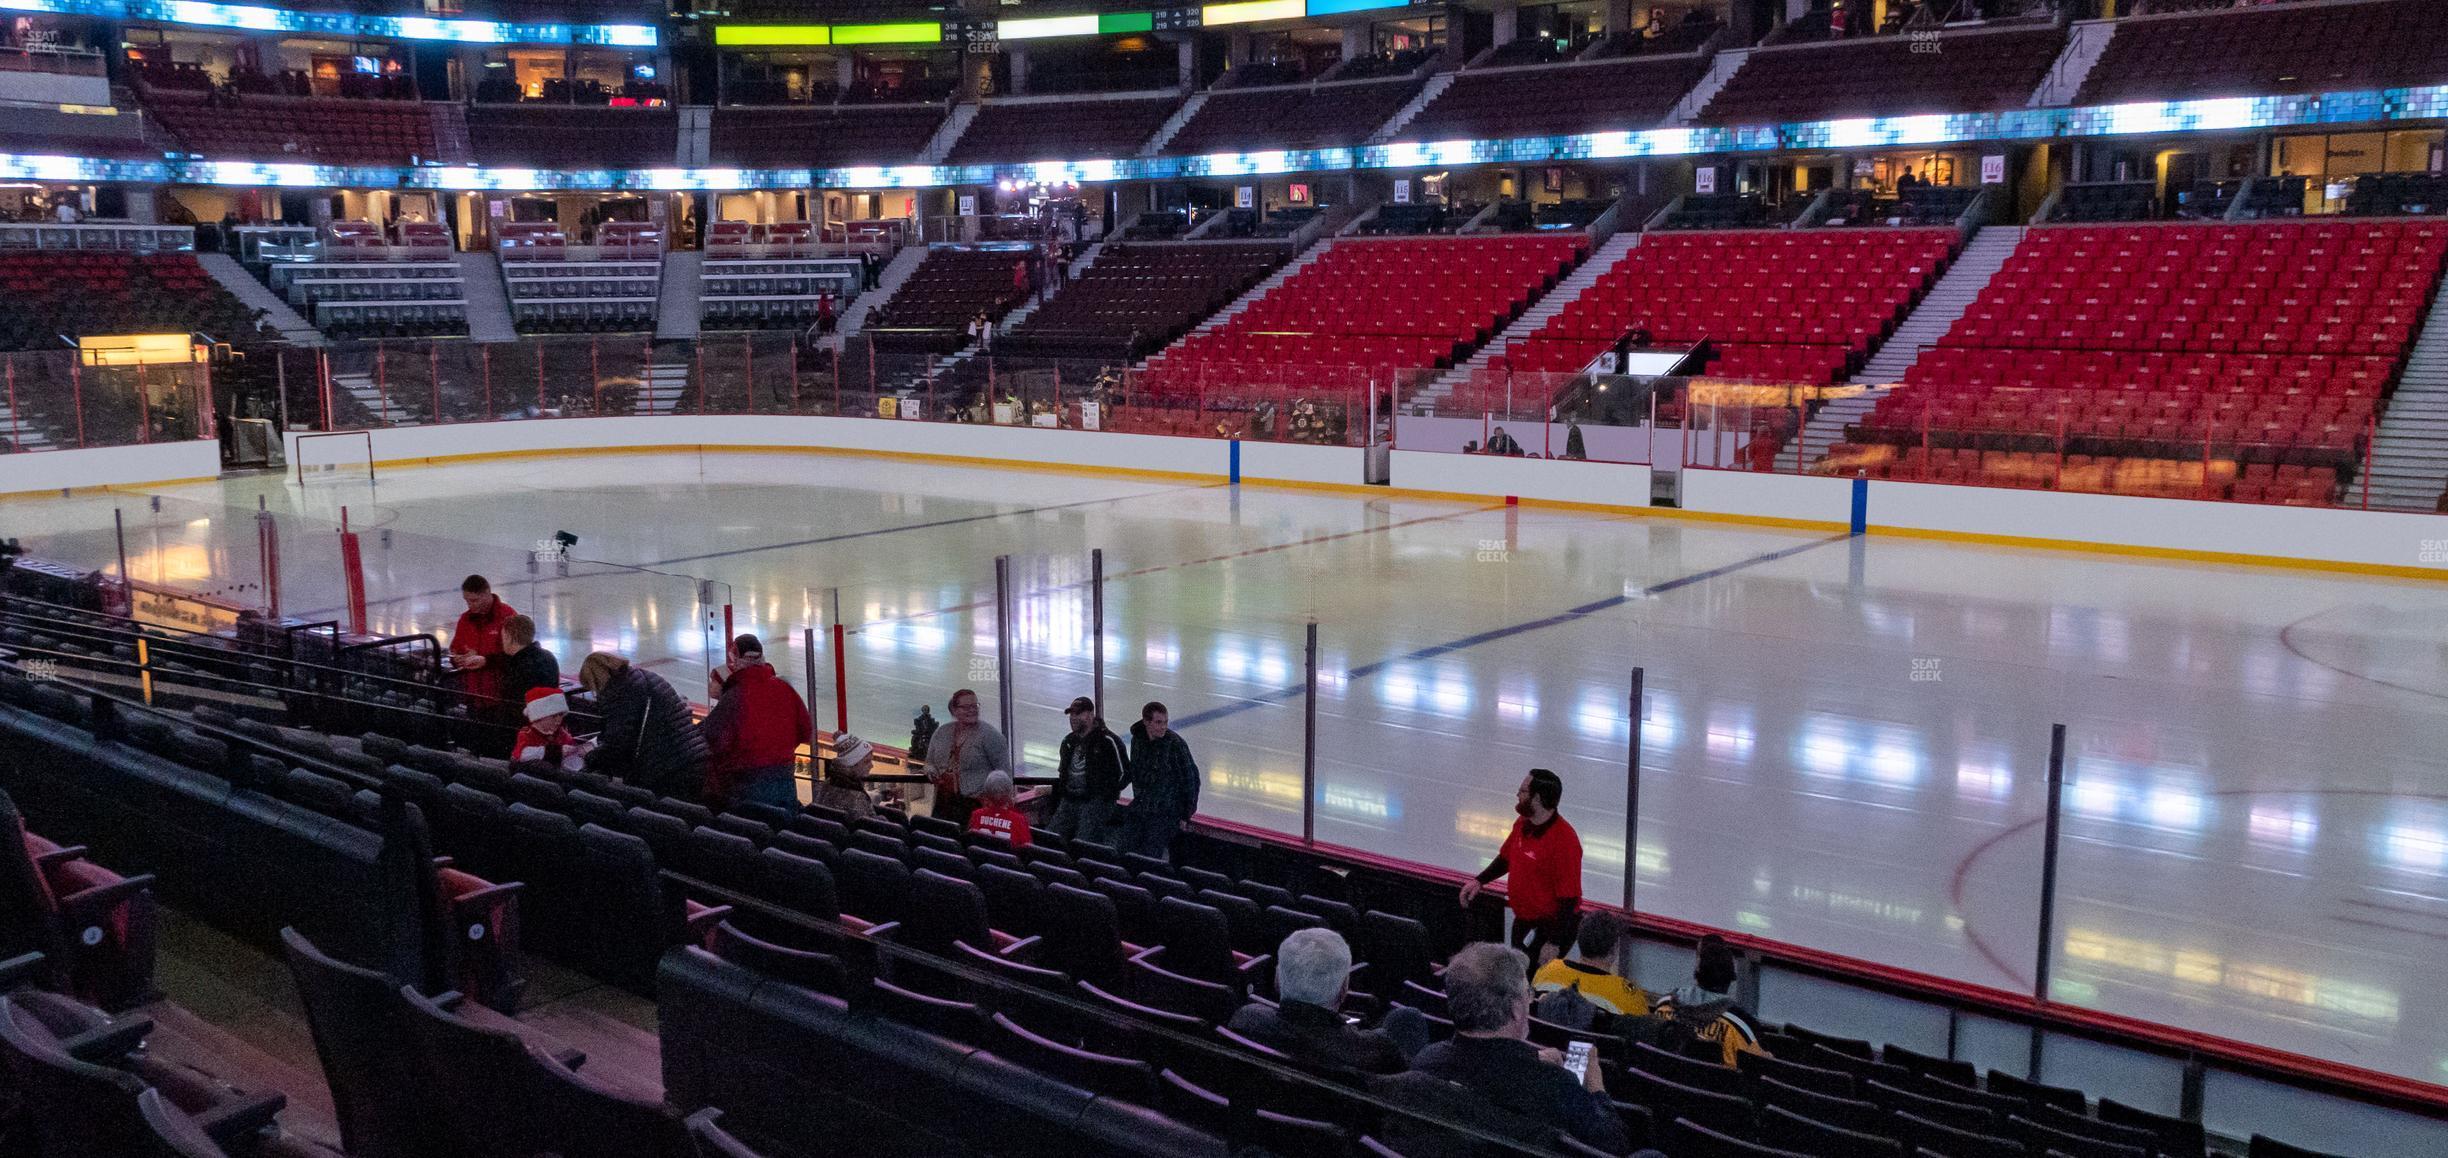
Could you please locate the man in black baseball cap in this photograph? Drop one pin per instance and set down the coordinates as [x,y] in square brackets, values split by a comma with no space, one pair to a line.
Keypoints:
[1090,776]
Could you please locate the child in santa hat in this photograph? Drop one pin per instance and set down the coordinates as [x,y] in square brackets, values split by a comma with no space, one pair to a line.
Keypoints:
[544,739]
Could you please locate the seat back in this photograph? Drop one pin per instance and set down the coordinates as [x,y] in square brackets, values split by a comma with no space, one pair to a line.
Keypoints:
[1197,939]
[872,886]
[1689,1139]
[1781,1127]
[943,910]
[175,1135]
[2178,1138]
[1246,919]
[801,884]
[1396,949]
[1846,1113]
[821,972]
[357,1022]
[1121,1077]
[1083,935]
[1833,1083]
[1012,898]
[2062,1097]
[75,1107]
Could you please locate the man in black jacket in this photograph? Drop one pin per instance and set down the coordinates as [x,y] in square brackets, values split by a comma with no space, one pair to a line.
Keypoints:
[1312,967]
[1487,993]
[1088,776]
[526,665]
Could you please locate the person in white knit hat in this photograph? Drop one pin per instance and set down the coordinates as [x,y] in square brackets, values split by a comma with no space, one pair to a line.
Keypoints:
[845,780]
[545,739]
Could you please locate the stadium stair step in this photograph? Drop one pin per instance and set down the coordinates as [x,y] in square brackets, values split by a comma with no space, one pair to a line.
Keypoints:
[370,394]
[1427,95]
[1721,69]
[256,295]
[21,433]
[1087,258]
[1944,304]
[949,133]
[663,387]
[678,306]
[1290,270]
[1181,116]
[488,299]
[1548,306]
[2409,456]
[2083,48]
[896,271]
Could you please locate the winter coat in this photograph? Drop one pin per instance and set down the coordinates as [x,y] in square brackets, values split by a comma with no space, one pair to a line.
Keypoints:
[648,737]
[1108,764]
[528,668]
[481,634]
[1164,777]
[760,723]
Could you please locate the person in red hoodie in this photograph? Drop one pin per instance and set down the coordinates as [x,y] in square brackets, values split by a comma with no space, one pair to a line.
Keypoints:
[755,732]
[545,739]
[996,816]
[476,646]
[1543,856]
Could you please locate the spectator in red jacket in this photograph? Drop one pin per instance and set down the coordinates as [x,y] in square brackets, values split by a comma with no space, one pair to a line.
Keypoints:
[475,645]
[1543,857]
[996,815]
[754,734]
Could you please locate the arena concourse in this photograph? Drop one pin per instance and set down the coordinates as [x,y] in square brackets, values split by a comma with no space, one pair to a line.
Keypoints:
[1339,578]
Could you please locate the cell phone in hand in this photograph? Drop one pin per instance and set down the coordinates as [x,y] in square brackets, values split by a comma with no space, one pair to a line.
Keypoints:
[1577,1059]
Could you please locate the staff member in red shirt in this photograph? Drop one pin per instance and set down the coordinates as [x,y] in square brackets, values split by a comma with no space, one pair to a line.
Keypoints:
[1543,856]
[475,645]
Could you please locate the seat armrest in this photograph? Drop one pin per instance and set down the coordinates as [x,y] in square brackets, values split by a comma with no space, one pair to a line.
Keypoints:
[1254,967]
[699,925]
[109,1044]
[1023,950]
[59,856]
[20,969]
[240,1117]
[89,905]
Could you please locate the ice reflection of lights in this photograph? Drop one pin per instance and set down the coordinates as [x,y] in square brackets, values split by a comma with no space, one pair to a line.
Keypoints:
[1348,800]
[2096,796]
[2177,808]
[908,635]
[1835,746]
[1729,734]
[1450,695]
[2280,824]
[1399,690]
[1987,776]
[2414,847]
[1599,715]
[1269,785]
[1163,655]
[1854,905]
[1488,830]
[2200,967]
[1517,707]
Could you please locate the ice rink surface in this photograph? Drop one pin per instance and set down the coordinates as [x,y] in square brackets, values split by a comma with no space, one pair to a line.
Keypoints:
[1846,741]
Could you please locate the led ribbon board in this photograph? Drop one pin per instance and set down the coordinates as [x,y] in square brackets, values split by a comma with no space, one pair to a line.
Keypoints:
[254,18]
[2153,117]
